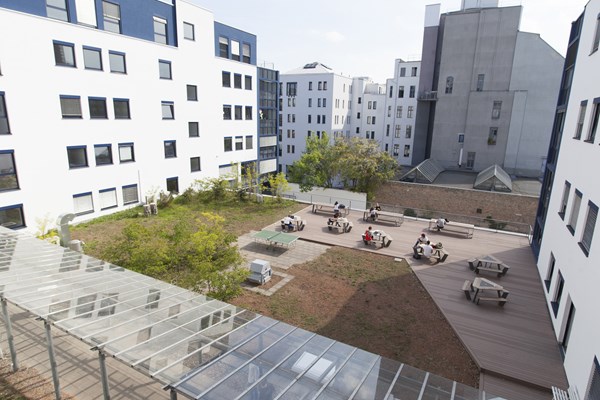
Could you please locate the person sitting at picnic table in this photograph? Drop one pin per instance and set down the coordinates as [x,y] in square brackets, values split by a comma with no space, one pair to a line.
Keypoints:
[336,210]
[440,223]
[369,234]
[423,239]
[377,207]
[288,223]
[373,214]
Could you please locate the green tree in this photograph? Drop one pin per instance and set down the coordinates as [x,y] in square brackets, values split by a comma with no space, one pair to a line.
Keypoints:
[279,184]
[318,165]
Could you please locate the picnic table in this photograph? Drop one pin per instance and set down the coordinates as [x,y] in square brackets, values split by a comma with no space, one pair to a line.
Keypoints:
[488,263]
[378,237]
[341,224]
[328,208]
[395,218]
[485,286]
[297,224]
[272,238]
[438,252]
[456,227]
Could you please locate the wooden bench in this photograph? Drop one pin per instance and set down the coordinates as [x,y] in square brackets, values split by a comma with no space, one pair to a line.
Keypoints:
[500,272]
[327,208]
[501,301]
[457,227]
[467,287]
[472,262]
[384,216]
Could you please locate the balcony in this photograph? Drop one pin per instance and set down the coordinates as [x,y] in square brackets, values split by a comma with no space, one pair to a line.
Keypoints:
[428,96]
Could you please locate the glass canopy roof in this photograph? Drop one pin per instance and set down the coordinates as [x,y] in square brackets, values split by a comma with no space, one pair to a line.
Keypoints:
[200,347]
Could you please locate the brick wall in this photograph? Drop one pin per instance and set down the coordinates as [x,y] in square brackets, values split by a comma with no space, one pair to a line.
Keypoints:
[454,202]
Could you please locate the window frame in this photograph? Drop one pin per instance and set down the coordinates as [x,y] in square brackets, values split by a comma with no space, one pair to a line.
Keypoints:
[176,180]
[98,99]
[226,82]
[197,129]
[62,108]
[480,82]
[492,136]
[10,174]
[574,216]
[186,31]
[594,122]
[126,195]
[237,81]
[60,10]
[223,46]
[227,112]
[596,41]
[496,109]
[248,115]
[162,22]
[249,142]
[449,84]
[248,82]
[121,101]
[192,92]
[238,143]
[58,44]
[77,166]
[170,148]
[246,58]
[192,166]
[585,243]
[108,190]
[237,113]
[4,113]
[128,145]
[88,50]
[111,55]
[550,272]
[111,19]
[565,200]
[11,224]
[227,144]
[110,159]
[167,105]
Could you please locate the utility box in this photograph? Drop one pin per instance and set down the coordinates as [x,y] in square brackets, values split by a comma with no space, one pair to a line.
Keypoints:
[260,272]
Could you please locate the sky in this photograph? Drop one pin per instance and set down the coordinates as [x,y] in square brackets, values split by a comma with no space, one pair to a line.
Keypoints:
[363,38]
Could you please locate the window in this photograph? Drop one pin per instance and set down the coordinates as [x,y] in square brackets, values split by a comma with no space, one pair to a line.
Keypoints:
[4,126]
[193,129]
[195,164]
[160,30]
[226,112]
[192,92]
[413,71]
[580,120]
[117,62]
[170,149]
[130,194]
[480,79]
[408,133]
[370,105]
[249,143]
[188,31]
[471,159]
[248,114]
[374,105]
[359,100]
[237,81]
[594,123]
[368,120]
[449,84]
[108,198]
[291,88]
[121,108]
[228,144]
[590,225]
[97,108]
[565,200]
[168,110]
[103,153]
[391,91]
[496,109]
[411,93]
[8,171]
[164,69]
[70,106]
[310,102]
[83,203]
[406,150]
[409,112]
[112,17]
[126,152]
[238,112]
[239,143]
[310,85]
[173,185]
[596,35]
[226,79]
[77,156]
[12,216]
[57,9]
[396,150]
[575,211]
[398,111]
[92,58]
[492,136]
[402,71]
[309,118]
[235,50]
[246,53]
[461,138]
[223,47]
[64,54]
[397,131]
[400,92]
[550,272]
[248,82]
[387,130]
[568,328]
[357,115]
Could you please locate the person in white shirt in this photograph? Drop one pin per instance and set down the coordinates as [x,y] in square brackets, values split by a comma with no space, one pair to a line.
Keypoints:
[427,249]
[423,239]
[440,223]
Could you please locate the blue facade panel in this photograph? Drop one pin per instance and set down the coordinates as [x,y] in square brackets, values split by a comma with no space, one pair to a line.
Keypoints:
[222,30]
[136,15]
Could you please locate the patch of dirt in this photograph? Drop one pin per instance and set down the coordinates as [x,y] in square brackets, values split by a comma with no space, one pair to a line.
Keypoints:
[26,383]
[371,302]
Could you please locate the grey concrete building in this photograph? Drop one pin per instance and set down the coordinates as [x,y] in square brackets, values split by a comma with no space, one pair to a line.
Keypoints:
[490,95]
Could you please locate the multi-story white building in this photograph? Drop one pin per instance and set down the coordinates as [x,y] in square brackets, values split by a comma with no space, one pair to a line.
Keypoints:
[313,99]
[368,99]
[401,110]
[566,228]
[103,103]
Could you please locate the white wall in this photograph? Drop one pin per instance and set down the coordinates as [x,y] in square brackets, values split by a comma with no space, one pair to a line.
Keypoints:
[577,164]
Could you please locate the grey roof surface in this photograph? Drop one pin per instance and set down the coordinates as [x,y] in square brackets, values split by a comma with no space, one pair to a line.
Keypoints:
[201,347]
[493,178]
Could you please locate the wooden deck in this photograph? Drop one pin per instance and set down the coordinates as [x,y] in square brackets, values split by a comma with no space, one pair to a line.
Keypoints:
[514,343]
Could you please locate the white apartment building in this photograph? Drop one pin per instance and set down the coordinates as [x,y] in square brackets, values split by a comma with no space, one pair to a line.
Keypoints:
[313,99]
[367,116]
[104,103]
[566,233]
[401,111]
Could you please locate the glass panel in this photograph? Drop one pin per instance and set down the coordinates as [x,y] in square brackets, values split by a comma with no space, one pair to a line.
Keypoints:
[121,109]
[103,155]
[117,62]
[92,59]
[125,153]
[164,69]
[64,55]
[97,108]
